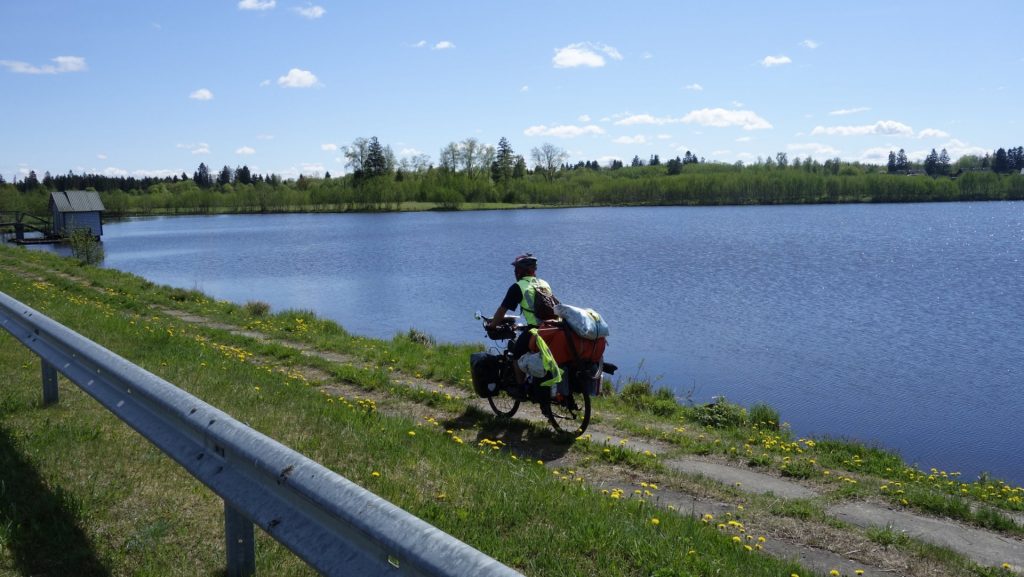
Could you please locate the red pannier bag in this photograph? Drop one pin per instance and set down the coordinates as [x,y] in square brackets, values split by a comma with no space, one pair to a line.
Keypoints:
[557,336]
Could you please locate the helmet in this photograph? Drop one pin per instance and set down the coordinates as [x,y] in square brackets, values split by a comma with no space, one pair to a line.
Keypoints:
[525,261]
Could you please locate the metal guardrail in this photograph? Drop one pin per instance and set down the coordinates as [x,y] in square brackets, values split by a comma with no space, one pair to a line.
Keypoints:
[331,523]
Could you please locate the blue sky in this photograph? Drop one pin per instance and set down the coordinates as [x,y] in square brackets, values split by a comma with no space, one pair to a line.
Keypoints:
[136,87]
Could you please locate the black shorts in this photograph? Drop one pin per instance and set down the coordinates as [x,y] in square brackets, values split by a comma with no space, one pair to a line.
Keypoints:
[522,345]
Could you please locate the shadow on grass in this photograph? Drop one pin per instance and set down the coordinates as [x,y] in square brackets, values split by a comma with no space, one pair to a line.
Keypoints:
[39,524]
[524,437]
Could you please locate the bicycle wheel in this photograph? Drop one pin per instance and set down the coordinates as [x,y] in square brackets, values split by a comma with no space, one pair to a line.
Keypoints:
[503,404]
[567,416]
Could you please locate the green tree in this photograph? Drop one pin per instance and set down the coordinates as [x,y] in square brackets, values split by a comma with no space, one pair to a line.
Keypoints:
[243,175]
[1000,161]
[931,163]
[225,176]
[377,161]
[891,165]
[504,164]
[943,163]
[519,170]
[902,163]
[202,176]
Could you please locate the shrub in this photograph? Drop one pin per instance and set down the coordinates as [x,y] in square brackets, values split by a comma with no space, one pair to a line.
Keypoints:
[85,247]
[764,417]
[640,395]
[721,414]
[257,308]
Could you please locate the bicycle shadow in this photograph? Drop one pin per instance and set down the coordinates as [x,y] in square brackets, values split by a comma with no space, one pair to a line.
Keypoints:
[525,438]
[43,532]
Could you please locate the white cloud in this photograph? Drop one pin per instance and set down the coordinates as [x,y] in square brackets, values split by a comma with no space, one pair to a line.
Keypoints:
[810,44]
[329,147]
[744,139]
[664,137]
[265,137]
[584,118]
[643,119]
[718,117]
[297,78]
[264,83]
[881,127]
[638,139]
[63,64]
[201,148]
[721,117]
[584,54]
[312,169]
[563,131]
[848,111]
[770,61]
[647,56]
[420,44]
[876,155]
[932,133]
[256,4]
[311,12]
[813,149]
[694,87]
[101,156]
[444,45]
[114,172]
[246,150]
[957,148]
[201,94]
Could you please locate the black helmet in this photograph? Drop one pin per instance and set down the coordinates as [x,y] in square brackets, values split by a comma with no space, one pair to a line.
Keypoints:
[525,261]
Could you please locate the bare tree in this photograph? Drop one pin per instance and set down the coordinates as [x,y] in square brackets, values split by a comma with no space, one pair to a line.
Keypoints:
[450,155]
[548,158]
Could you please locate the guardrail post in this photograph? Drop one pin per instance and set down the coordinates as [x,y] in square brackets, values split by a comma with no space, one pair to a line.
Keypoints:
[49,384]
[241,548]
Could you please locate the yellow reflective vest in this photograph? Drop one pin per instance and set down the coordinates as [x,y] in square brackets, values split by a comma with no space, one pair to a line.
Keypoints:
[548,359]
[529,285]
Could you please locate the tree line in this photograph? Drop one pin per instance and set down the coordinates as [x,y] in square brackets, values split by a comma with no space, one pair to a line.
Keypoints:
[470,171]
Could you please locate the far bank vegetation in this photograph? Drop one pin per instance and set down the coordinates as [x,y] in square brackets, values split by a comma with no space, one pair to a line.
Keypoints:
[474,174]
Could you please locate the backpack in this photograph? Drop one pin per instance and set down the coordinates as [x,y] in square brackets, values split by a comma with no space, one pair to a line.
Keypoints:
[544,304]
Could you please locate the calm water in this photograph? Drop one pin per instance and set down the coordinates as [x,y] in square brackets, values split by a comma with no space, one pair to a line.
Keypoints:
[901,324]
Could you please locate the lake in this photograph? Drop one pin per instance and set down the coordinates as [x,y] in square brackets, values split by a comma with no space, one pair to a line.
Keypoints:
[896,324]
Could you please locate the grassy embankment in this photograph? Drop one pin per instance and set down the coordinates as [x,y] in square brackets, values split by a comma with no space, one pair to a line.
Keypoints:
[85,492]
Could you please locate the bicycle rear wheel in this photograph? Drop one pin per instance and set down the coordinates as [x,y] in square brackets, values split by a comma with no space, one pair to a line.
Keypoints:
[567,415]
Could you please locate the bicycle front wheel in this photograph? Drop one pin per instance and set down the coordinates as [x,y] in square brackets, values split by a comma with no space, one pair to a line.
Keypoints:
[503,404]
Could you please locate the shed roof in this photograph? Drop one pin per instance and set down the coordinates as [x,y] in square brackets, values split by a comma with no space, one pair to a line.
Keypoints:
[77,201]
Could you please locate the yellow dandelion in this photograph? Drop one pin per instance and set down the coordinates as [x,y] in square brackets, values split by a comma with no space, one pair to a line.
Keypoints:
[412,433]
[375,474]
[834,573]
[655,521]
[859,572]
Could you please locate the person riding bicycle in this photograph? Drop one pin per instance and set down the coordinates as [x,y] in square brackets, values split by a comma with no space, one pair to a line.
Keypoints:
[534,299]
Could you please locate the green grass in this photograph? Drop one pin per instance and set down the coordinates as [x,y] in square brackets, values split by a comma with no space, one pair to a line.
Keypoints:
[206,362]
[91,497]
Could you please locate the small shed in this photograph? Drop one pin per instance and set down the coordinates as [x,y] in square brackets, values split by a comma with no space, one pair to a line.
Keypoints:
[76,209]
